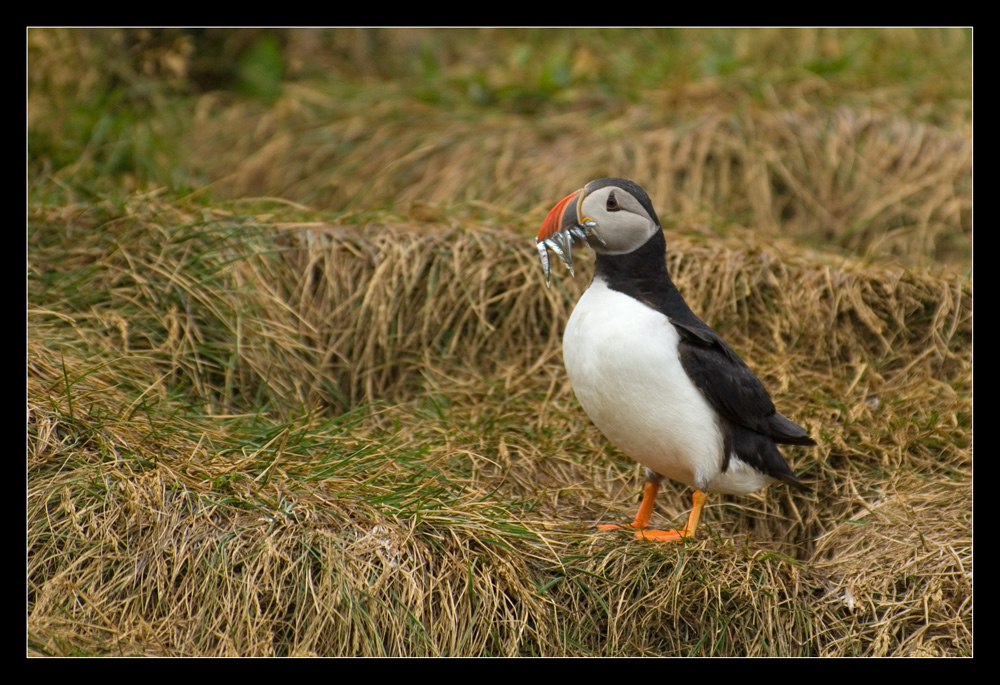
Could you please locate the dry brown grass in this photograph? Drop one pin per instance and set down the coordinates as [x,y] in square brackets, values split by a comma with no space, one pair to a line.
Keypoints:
[338,423]
[868,182]
[251,436]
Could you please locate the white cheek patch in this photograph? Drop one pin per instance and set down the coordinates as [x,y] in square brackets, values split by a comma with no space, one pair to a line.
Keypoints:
[622,231]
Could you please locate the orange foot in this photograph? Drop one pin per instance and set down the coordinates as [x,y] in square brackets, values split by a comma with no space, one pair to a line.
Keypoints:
[646,510]
[648,533]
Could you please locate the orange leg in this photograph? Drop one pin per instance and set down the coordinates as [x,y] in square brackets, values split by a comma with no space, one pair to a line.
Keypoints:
[646,510]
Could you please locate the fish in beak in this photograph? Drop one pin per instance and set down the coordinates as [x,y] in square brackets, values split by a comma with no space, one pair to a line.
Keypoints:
[565,224]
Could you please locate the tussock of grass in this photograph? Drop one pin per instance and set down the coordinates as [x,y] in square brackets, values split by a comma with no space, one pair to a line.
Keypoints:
[252,435]
[328,415]
[856,179]
[858,139]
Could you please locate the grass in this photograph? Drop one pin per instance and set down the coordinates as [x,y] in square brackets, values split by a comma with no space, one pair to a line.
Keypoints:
[477,462]
[294,378]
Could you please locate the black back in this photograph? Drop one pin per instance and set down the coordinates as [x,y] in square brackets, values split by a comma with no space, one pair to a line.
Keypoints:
[751,424]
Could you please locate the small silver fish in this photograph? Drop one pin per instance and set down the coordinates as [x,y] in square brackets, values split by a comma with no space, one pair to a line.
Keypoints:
[561,242]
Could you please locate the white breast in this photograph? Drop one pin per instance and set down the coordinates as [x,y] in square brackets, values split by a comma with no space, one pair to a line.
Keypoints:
[622,359]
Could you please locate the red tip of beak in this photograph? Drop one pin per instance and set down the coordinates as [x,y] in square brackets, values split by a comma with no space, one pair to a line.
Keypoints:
[553,222]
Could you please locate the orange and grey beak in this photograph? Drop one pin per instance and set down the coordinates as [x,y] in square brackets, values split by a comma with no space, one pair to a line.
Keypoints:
[562,217]
[564,224]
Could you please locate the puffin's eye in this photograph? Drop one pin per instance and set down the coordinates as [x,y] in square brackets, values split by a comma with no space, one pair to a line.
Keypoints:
[613,203]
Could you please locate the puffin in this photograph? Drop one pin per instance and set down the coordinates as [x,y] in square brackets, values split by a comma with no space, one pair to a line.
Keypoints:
[660,384]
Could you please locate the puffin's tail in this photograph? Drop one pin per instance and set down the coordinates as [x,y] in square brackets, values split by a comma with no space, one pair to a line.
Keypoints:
[761,452]
[787,432]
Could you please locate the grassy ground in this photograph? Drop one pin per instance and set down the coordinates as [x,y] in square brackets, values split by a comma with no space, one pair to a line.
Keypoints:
[294,378]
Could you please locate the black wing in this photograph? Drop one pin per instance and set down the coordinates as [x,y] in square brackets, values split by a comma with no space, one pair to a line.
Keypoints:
[753,424]
[750,423]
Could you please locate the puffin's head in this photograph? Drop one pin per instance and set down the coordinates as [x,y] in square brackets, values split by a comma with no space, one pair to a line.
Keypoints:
[611,215]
